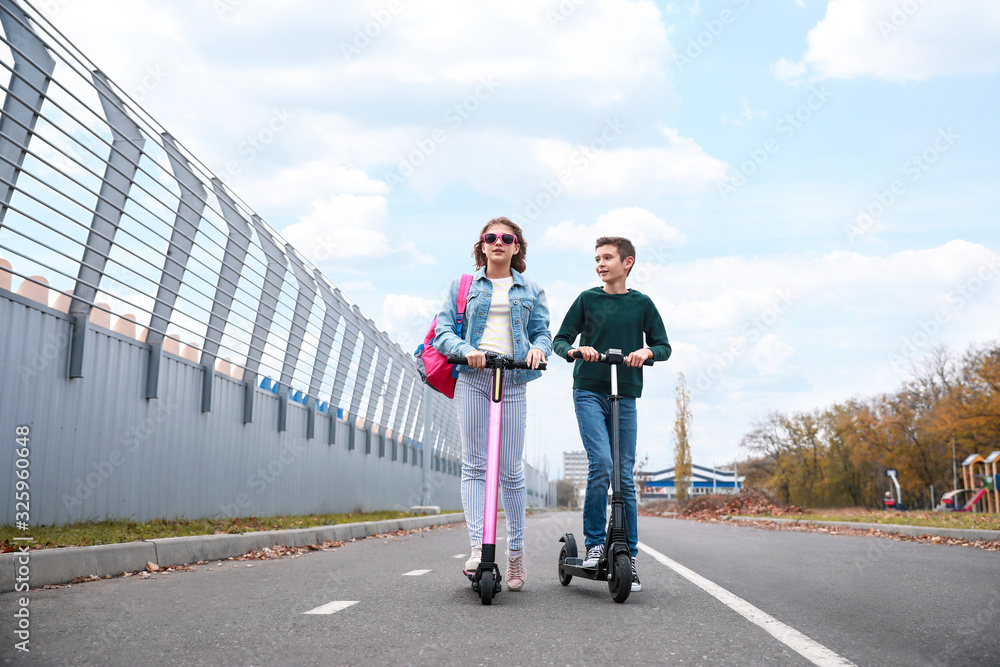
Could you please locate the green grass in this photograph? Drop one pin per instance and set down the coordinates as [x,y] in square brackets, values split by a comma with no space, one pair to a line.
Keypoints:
[118,531]
[915,518]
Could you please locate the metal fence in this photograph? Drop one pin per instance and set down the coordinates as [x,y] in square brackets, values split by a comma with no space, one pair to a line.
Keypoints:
[144,282]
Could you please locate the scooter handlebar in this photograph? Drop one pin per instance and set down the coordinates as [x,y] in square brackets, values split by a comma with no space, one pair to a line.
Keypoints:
[606,358]
[493,360]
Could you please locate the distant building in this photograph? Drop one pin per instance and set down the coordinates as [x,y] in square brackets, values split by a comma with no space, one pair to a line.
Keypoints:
[703,480]
[575,467]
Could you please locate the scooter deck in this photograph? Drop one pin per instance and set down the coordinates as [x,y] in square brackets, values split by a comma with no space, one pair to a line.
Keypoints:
[575,567]
[470,574]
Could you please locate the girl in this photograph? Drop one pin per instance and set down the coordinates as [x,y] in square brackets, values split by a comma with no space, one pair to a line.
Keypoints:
[507,314]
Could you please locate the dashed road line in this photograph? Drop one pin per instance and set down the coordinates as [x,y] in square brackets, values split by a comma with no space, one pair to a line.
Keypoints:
[813,651]
[415,573]
[331,607]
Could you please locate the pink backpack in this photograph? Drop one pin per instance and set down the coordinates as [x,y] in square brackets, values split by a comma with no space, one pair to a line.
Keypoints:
[433,367]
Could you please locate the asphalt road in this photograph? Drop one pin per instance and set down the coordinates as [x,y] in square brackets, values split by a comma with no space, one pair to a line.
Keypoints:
[756,597]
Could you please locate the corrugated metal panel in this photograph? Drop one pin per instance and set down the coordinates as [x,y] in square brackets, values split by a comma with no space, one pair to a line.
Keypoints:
[99,449]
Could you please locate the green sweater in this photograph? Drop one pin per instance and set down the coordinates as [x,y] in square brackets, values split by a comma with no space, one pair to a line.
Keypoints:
[605,321]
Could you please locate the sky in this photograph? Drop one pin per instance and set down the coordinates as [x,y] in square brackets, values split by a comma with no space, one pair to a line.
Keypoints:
[811,185]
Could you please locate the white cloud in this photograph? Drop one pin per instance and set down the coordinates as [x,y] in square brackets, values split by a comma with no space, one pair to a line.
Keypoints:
[354,117]
[298,50]
[871,305]
[774,357]
[900,41]
[533,166]
[648,232]
[746,113]
[349,229]
[287,188]
[407,318]
[613,45]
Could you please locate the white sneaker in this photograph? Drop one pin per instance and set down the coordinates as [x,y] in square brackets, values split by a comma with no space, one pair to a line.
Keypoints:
[475,559]
[636,584]
[594,555]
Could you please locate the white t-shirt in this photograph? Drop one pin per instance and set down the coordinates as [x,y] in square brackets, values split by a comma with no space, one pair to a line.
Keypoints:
[498,336]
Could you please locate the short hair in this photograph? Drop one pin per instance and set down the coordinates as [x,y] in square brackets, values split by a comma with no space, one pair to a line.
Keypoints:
[624,246]
[516,262]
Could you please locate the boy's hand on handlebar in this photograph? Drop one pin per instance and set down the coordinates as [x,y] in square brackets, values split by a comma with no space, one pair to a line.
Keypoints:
[637,358]
[589,353]
[535,357]
[476,359]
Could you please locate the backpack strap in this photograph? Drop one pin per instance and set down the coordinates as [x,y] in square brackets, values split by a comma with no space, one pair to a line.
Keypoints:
[463,297]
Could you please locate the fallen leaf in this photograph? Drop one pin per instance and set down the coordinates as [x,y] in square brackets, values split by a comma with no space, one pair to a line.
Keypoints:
[152,567]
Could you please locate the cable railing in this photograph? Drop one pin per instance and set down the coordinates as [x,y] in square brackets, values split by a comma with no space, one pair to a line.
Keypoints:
[107,218]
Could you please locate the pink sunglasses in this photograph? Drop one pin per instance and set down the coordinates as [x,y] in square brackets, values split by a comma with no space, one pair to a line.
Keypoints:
[507,239]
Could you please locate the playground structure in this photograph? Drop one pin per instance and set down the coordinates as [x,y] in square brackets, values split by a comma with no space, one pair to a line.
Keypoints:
[890,502]
[979,478]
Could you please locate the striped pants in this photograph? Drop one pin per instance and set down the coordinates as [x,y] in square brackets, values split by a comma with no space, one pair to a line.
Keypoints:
[472,393]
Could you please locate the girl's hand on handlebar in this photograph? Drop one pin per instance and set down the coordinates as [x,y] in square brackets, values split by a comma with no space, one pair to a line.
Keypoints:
[476,359]
[636,359]
[589,353]
[535,357]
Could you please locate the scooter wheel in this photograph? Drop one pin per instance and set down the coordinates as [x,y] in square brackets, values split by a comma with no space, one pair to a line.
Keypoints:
[486,590]
[564,578]
[620,584]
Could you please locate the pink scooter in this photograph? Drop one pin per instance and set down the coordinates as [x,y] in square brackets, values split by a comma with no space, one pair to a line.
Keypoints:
[486,578]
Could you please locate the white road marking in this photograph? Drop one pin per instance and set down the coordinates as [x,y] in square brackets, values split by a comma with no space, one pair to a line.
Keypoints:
[798,642]
[459,556]
[331,607]
[415,573]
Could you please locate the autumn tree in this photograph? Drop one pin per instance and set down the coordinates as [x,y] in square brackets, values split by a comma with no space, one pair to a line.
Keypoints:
[838,455]
[682,446]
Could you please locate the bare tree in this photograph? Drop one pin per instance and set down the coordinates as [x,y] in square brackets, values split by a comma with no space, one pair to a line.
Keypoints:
[682,446]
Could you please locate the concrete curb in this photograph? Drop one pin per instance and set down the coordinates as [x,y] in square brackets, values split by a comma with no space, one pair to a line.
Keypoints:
[915,531]
[60,566]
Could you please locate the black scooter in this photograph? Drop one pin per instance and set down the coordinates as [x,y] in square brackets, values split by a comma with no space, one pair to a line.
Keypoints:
[615,565]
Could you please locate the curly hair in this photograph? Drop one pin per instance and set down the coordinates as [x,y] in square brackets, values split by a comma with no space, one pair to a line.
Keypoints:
[517,262]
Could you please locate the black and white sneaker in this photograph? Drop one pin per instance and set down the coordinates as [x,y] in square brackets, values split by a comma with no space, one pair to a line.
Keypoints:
[636,585]
[594,555]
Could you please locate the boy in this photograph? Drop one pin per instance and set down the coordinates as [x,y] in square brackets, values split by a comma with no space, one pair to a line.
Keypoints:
[611,316]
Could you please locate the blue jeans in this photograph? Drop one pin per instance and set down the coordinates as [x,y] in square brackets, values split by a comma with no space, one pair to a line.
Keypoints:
[593,415]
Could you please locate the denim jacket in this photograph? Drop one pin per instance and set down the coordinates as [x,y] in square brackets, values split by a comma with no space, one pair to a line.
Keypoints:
[529,321]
